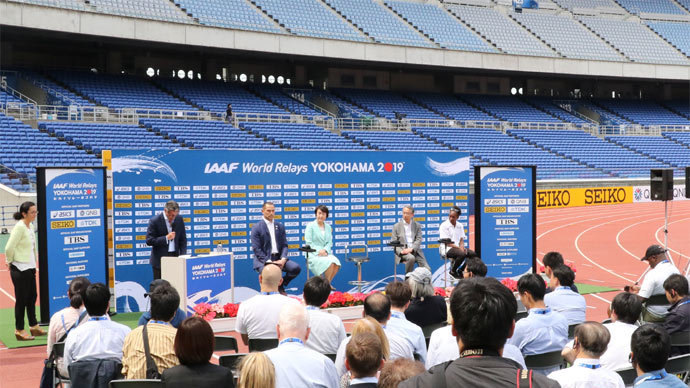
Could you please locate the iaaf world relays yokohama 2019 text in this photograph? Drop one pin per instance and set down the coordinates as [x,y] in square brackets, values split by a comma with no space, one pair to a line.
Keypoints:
[291,168]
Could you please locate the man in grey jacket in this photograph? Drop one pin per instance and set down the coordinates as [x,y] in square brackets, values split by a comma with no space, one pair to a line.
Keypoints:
[409,232]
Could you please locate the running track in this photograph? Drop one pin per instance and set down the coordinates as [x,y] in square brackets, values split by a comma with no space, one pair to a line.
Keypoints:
[604,242]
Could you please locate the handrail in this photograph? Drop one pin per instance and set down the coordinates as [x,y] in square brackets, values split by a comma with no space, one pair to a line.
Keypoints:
[50,90]
[8,89]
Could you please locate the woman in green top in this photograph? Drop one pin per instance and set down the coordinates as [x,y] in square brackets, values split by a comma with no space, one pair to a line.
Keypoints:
[20,255]
[319,236]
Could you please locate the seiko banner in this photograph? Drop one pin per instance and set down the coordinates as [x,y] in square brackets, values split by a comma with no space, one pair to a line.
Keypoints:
[220,194]
[72,231]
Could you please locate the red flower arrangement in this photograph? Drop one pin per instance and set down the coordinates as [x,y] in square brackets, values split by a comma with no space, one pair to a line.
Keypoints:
[211,311]
[570,264]
[510,283]
[344,299]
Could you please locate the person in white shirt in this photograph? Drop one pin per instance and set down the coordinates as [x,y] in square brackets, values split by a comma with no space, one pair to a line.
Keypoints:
[400,295]
[297,366]
[589,343]
[653,283]
[624,311]
[257,316]
[563,299]
[453,230]
[99,338]
[364,359]
[326,330]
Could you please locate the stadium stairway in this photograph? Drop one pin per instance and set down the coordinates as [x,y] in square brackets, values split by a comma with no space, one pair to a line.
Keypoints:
[302,136]
[655,147]
[277,96]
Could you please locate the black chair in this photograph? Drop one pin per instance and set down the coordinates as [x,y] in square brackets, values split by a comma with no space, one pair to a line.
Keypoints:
[332,356]
[680,366]
[628,375]
[136,383]
[231,361]
[428,329]
[681,338]
[307,250]
[58,378]
[394,245]
[261,344]
[607,320]
[225,343]
[571,330]
[654,300]
[520,315]
[545,360]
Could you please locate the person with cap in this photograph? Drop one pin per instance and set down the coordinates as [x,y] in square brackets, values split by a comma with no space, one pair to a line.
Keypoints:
[455,231]
[409,233]
[653,283]
[425,308]
[146,316]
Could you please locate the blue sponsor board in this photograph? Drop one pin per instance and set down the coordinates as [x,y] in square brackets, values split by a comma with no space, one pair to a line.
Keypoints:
[208,280]
[220,194]
[506,219]
[72,234]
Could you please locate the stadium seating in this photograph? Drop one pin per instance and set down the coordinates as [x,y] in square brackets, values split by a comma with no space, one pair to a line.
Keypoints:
[608,6]
[592,151]
[548,105]
[680,107]
[119,92]
[651,6]
[500,30]
[647,47]
[77,5]
[605,117]
[344,108]
[310,18]
[146,9]
[96,137]
[22,148]
[378,22]
[439,26]
[64,95]
[682,138]
[394,141]
[238,14]
[7,99]
[570,38]
[510,108]
[674,33]
[643,112]
[656,147]
[301,136]
[207,134]
[450,107]
[276,95]
[386,104]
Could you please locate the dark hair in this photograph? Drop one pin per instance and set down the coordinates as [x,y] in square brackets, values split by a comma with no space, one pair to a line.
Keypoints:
[172,205]
[483,311]
[476,266]
[164,303]
[156,283]
[194,341]
[650,345]
[266,204]
[316,291]
[377,306]
[456,209]
[323,208]
[627,307]
[565,275]
[677,283]
[396,371]
[552,260]
[593,337]
[76,291]
[400,293]
[364,353]
[533,284]
[23,208]
[96,298]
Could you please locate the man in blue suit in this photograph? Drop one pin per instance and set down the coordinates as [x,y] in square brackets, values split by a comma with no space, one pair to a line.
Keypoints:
[269,244]
[166,236]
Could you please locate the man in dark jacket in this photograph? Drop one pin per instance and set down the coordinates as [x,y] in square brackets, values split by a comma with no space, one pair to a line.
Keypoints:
[166,236]
[483,313]
[678,318]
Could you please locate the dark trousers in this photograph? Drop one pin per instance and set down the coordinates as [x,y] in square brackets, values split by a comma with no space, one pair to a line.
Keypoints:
[25,293]
[156,273]
[457,258]
[290,268]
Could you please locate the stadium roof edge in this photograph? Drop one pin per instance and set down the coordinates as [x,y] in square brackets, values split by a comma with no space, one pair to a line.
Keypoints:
[119,27]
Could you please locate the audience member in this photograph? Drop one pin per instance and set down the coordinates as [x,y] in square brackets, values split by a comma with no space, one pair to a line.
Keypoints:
[483,313]
[552,260]
[398,326]
[653,283]
[650,346]
[475,267]
[295,365]
[160,337]
[194,343]
[589,343]
[678,318]
[624,311]
[257,316]
[425,308]
[563,299]
[93,351]
[63,321]
[378,306]
[256,371]
[326,330]
[146,316]
[364,358]
[542,330]
[364,325]
[397,371]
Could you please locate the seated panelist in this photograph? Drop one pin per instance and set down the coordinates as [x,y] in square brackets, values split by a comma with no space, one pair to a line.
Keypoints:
[319,236]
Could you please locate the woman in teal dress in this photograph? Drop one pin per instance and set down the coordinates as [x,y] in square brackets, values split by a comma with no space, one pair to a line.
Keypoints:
[319,236]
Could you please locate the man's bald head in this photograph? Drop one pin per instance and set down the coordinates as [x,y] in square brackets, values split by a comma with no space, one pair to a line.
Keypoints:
[593,337]
[270,278]
[378,306]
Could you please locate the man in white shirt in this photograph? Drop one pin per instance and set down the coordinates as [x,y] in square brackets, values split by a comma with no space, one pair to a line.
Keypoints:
[624,311]
[653,283]
[453,230]
[97,339]
[257,316]
[326,330]
[409,232]
[295,365]
[590,342]
[563,299]
[400,295]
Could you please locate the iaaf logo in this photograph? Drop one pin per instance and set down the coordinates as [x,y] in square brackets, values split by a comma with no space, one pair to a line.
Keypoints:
[226,168]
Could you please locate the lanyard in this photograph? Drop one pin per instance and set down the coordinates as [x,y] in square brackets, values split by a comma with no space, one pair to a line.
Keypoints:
[662,262]
[656,377]
[397,314]
[313,308]
[590,366]
[159,322]
[541,311]
[270,293]
[104,318]
[292,339]
[563,288]
[686,302]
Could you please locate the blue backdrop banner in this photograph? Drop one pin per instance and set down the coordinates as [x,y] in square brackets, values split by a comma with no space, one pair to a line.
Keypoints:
[220,194]
[505,219]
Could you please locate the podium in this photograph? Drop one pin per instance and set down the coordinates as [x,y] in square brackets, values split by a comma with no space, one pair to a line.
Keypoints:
[204,278]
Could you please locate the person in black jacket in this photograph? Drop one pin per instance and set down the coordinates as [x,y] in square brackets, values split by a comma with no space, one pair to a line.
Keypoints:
[166,236]
[194,343]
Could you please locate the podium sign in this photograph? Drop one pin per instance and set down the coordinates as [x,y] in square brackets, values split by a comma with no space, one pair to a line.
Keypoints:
[200,279]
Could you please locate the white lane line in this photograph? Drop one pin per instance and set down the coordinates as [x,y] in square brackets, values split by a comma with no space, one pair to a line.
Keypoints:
[588,219]
[8,295]
[595,280]
[600,298]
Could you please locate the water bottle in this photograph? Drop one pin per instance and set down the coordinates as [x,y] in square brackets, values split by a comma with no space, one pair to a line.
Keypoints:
[219,248]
